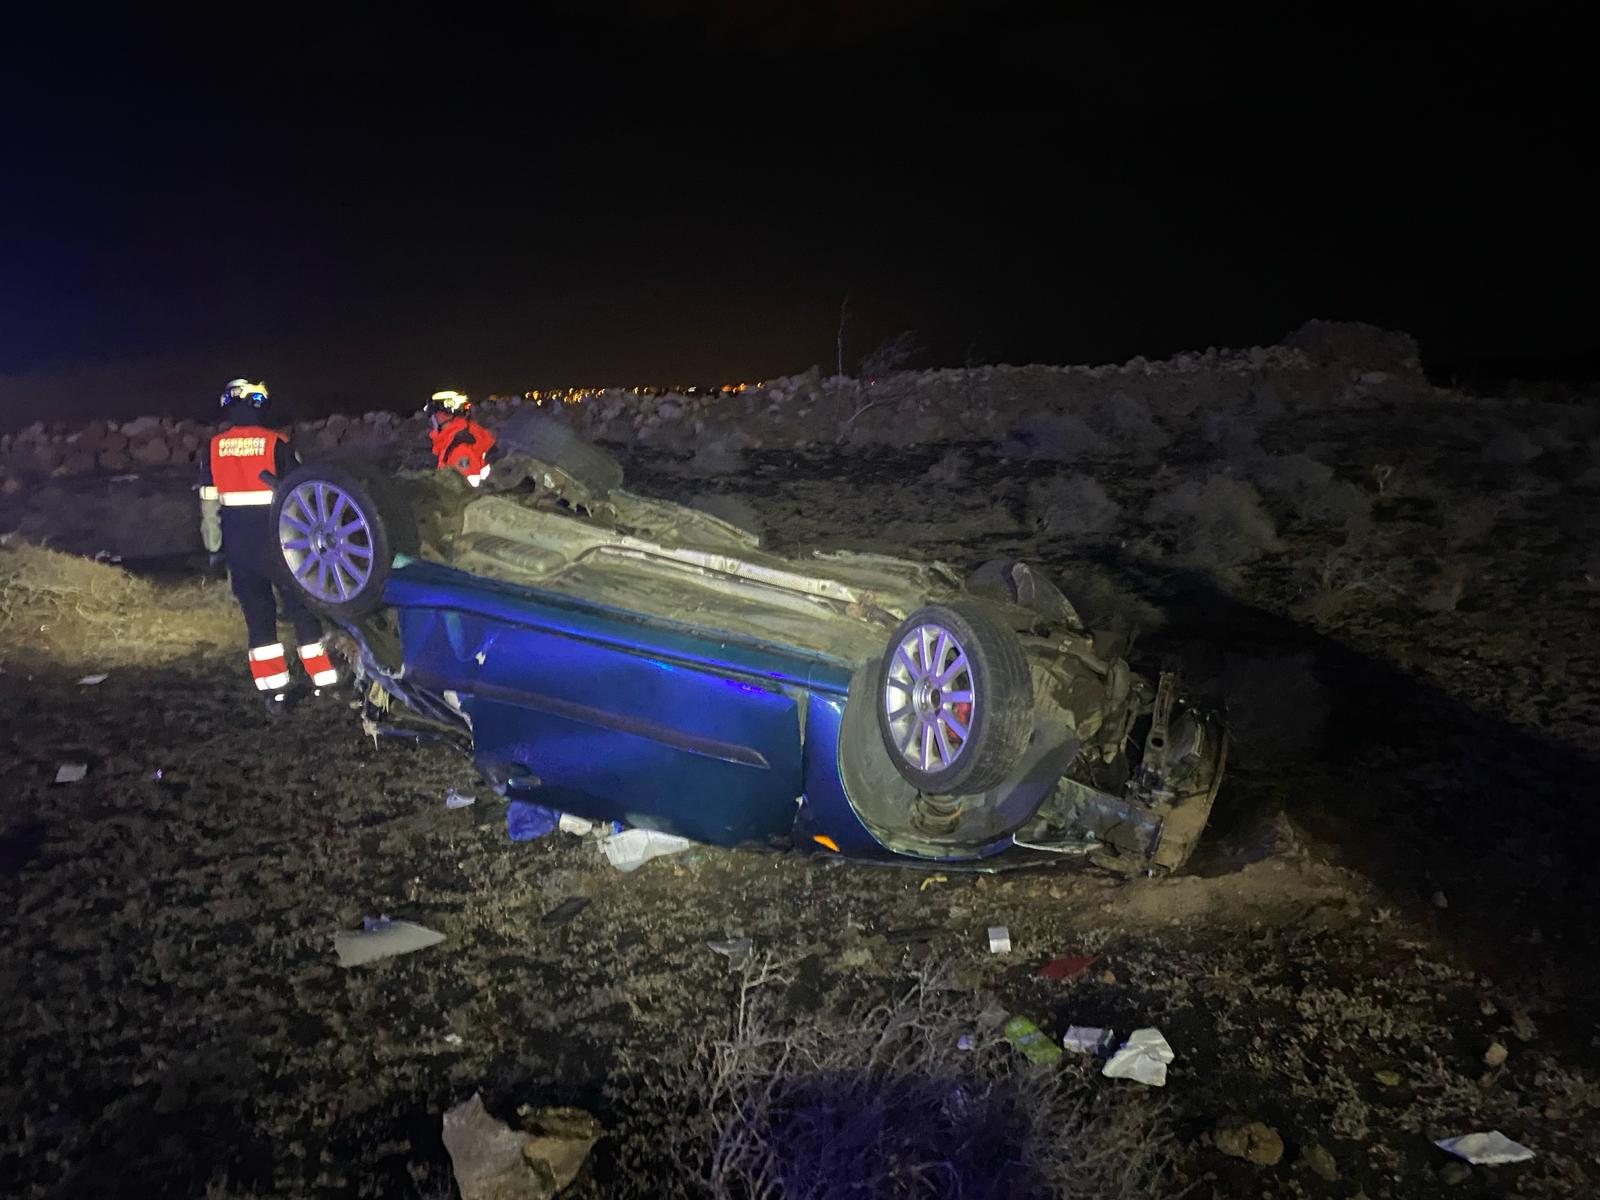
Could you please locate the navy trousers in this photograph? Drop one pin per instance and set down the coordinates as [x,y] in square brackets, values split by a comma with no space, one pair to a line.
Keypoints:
[247,546]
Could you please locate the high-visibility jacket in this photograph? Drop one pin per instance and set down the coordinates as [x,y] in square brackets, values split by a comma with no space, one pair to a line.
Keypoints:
[462,445]
[232,471]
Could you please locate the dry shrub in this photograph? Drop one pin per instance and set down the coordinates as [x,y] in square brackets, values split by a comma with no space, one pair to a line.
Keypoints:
[1072,506]
[1217,523]
[1472,521]
[1512,446]
[56,606]
[719,456]
[1117,616]
[883,1103]
[1309,492]
[1054,437]
[1127,422]
[1234,438]
[952,468]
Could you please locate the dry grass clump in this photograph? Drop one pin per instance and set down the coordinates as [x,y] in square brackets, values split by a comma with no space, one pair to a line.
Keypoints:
[1216,523]
[61,607]
[1072,506]
[1054,437]
[884,1103]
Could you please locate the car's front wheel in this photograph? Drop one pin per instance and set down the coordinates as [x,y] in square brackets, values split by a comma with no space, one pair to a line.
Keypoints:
[955,700]
[338,528]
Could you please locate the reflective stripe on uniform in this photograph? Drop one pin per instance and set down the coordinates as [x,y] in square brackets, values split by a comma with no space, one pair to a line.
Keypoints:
[241,499]
[271,683]
[207,492]
[311,649]
[325,678]
[262,653]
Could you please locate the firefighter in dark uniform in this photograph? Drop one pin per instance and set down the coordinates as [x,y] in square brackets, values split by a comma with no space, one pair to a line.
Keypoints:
[459,443]
[236,509]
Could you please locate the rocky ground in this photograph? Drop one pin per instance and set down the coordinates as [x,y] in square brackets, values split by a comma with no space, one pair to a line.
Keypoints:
[1387,938]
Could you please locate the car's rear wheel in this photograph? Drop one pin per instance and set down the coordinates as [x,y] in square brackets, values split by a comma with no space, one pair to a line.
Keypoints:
[955,700]
[339,526]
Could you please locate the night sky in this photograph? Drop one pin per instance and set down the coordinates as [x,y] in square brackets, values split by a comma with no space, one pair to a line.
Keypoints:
[364,209]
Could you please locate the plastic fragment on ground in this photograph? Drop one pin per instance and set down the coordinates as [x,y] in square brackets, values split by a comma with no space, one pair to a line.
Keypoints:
[999,940]
[382,939]
[454,799]
[526,822]
[1068,966]
[1031,1040]
[632,848]
[1142,1058]
[71,772]
[1490,1149]
[579,826]
[91,680]
[735,950]
[1087,1039]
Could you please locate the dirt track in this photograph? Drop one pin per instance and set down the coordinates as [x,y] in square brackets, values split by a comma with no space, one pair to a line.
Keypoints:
[175,1017]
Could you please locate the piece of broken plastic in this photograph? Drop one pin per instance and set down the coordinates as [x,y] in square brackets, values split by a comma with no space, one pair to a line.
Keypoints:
[71,772]
[526,822]
[735,950]
[1068,966]
[382,938]
[454,799]
[632,848]
[999,940]
[575,825]
[1486,1149]
[1087,1039]
[1031,1040]
[1142,1058]
[91,680]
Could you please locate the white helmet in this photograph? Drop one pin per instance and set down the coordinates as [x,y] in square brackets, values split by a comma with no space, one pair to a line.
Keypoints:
[242,391]
[450,401]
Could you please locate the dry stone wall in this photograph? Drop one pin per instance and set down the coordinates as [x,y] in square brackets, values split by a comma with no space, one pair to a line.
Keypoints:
[1322,364]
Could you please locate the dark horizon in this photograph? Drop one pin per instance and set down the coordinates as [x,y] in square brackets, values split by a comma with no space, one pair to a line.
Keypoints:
[654,193]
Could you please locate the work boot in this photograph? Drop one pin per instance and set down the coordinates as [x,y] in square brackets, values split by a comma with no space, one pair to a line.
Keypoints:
[277,705]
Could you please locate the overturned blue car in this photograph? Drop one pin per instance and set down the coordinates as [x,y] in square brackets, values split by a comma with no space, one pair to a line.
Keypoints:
[620,657]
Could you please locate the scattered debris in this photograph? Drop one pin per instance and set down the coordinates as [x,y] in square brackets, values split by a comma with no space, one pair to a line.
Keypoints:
[1496,1055]
[735,950]
[565,911]
[453,1039]
[929,880]
[1252,1141]
[1068,966]
[965,1042]
[631,849]
[71,772]
[91,680]
[492,1161]
[1031,1040]
[999,940]
[454,799]
[581,826]
[1142,1058]
[379,937]
[1387,1078]
[1486,1149]
[527,822]
[1087,1039]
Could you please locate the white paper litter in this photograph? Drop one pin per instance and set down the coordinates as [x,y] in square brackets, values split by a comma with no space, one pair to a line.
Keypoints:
[454,799]
[632,848]
[575,825]
[1486,1149]
[735,950]
[999,940]
[71,772]
[382,939]
[1142,1058]
[1086,1039]
[91,680]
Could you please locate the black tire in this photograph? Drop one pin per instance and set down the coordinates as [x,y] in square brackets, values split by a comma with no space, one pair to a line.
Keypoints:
[551,441]
[1000,712]
[1016,582]
[388,527]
